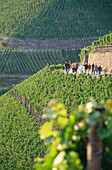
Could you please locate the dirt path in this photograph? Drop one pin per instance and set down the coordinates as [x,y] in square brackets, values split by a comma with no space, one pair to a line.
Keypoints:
[10,80]
[30,44]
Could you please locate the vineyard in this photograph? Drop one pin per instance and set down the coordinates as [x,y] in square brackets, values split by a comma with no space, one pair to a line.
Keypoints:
[55,19]
[20,142]
[54,120]
[71,91]
[29,62]
[19,139]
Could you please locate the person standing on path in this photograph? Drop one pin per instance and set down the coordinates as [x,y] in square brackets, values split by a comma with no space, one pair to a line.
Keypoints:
[96,68]
[99,69]
[47,64]
[81,68]
[93,72]
[66,65]
[73,67]
[76,68]
[89,68]
[86,67]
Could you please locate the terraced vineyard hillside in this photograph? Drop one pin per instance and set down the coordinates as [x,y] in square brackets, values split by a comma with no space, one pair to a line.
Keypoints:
[29,62]
[20,142]
[72,91]
[55,19]
[21,107]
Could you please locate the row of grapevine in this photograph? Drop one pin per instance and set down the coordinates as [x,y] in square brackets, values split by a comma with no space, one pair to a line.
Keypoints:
[27,62]
[59,19]
[20,143]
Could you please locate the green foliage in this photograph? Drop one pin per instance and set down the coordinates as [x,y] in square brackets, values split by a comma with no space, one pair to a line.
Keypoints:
[61,153]
[63,145]
[71,91]
[19,139]
[59,66]
[58,19]
[3,43]
[18,127]
[105,40]
[26,62]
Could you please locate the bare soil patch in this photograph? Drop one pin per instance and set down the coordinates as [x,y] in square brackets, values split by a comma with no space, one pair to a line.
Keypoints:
[30,44]
[11,80]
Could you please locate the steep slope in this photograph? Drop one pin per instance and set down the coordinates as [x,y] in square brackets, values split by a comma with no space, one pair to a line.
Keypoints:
[72,91]
[20,142]
[59,19]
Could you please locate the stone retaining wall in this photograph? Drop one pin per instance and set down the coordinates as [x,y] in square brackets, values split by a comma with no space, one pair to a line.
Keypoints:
[103,58]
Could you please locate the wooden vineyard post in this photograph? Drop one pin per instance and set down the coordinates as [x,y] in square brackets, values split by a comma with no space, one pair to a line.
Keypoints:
[29,107]
[40,117]
[37,116]
[23,100]
[26,102]
[32,110]
[94,148]
[13,93]
[20,99]
[16,94]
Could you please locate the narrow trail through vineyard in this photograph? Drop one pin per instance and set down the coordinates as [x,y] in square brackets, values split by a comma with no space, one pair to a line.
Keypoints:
[9,80]
[31,44]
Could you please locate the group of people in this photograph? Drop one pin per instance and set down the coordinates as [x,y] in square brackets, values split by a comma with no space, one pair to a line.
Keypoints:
[86,68]
[93,69]
[74,66]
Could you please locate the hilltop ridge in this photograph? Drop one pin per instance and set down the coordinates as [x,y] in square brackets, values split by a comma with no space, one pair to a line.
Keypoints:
[55,19]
